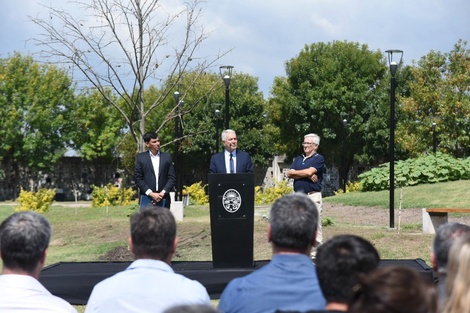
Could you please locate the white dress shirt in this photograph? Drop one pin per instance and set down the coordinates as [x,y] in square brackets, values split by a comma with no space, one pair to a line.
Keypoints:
[227,161]
[23,293]
[145,286]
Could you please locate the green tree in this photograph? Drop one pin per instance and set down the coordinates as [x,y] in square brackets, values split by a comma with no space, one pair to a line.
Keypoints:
[439,93]
[197,122]
[325,82]
[98,127]
[34,112]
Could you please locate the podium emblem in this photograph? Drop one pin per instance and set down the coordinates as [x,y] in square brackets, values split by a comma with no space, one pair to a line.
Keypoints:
[231,200]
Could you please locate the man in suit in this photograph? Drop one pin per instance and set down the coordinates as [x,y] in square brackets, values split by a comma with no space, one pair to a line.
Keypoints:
[231,160]
[154,173]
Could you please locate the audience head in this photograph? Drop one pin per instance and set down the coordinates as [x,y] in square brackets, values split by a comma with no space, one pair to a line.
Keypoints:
[153,234]
[338,262]
[445,236]
[458,277]
[24,238]
[393,289]
[191,308]
[293,223]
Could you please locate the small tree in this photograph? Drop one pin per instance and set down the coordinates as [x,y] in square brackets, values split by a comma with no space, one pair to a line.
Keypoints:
[126,45]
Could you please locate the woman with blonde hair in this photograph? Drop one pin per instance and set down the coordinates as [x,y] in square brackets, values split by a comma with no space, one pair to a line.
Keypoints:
[458,277]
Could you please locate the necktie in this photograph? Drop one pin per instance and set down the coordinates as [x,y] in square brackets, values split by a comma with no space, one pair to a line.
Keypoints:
[232,169]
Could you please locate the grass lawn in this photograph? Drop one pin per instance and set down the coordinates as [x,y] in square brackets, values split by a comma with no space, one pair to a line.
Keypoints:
[82,233]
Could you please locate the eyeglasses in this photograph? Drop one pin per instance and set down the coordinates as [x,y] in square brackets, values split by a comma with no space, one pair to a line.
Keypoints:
[307,143]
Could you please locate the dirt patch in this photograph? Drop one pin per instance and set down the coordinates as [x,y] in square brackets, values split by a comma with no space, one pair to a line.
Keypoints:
[370,222]
[118,254]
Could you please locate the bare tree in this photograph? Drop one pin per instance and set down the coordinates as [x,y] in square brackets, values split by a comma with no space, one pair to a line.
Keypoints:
[127,45]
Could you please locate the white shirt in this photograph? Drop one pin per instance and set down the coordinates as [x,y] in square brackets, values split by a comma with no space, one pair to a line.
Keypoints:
[145,286]
[156,168]
[23,293]
[227,161]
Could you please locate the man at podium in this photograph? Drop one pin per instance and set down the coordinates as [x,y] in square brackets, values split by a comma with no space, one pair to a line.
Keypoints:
[231,160]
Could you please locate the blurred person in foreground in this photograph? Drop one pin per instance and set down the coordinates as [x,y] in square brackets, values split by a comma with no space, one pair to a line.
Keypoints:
[445,237]
[289,281]
[458,277]
[192,308]
[393,289]
[149,284]
[338,262]
[24,240]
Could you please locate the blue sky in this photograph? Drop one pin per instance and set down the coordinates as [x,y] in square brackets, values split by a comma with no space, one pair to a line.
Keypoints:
[264,34]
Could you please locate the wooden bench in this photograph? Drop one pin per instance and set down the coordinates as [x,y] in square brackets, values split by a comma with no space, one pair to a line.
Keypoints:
[435,217]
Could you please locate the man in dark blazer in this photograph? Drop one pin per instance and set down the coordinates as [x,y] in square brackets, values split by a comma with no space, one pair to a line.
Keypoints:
[152,164]
[231,160]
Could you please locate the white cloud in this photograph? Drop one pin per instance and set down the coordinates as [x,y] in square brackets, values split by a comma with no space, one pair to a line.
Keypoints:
[266,33]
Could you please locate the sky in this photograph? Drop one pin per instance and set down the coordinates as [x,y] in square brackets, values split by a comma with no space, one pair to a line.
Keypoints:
[264,34]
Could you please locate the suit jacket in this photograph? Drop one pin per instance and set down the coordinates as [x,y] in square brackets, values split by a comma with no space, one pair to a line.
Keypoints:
[244,163]
[144,174]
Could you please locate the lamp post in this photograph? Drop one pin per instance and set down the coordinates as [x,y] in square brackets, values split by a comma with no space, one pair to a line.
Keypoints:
[345,138]
[434,138]
[217,118]
[176,95]
[393,70]
[226,73]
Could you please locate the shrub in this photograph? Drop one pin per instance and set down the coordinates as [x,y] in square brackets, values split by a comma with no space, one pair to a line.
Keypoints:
[197,193]
[350,187]
[39,201]
[271,194]
[431,168]
[111,195]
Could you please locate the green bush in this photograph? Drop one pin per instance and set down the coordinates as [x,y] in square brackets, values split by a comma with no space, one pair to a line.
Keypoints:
[270,194]
[350,187]
[431,168]
[39,201]
[197,193]
[111,195]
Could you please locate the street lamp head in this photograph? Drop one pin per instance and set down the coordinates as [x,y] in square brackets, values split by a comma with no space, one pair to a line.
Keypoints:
[392,61]
[226,73]
[176,95]
[226,79]
[217,114]
[433,126]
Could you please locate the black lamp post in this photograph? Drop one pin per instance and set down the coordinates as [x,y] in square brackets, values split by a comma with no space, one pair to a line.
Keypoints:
[226,73]
[393,70]
[176,95]
[434,138]
[217,126]
[344,117]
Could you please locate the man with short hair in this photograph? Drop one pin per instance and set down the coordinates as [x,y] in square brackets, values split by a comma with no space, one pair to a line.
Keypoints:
[445,237]
[24,239]
[338,262]
[289,281]
[307,172]
[149,284]
[154,173]
[231,160]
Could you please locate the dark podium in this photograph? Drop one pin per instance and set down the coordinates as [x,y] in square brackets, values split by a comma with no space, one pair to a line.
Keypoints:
[232,201]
